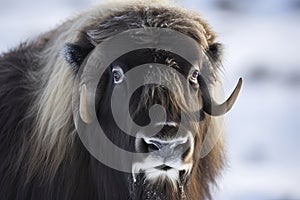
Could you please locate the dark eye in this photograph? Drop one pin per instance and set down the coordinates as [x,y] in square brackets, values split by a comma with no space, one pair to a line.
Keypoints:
[118,75]
[194,76]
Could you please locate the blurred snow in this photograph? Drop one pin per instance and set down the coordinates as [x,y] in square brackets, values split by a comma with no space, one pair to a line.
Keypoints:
[261,39]
[21,20]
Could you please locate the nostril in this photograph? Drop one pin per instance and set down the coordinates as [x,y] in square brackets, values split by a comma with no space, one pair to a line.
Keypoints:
[152,147]
[181,145]
[152,144]
[163,167]
[175,146]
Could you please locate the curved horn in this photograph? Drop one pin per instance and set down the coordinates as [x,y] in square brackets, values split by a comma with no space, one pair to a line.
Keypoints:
[213,108]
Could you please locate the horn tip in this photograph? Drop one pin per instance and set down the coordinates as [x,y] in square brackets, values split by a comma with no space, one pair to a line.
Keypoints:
[240,82]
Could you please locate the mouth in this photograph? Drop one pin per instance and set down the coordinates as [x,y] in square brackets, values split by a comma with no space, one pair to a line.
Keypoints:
[164,172]
[163,167]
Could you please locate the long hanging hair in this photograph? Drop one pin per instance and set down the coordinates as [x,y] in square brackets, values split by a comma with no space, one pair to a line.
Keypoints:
[39,133]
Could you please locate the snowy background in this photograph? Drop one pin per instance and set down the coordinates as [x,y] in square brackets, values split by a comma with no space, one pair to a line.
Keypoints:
[262,44]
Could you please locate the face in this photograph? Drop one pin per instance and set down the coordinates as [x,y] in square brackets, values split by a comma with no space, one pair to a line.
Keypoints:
[168,144]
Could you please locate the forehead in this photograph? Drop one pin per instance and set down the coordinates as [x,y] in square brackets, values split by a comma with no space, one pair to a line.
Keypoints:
[136,47]
[157,56]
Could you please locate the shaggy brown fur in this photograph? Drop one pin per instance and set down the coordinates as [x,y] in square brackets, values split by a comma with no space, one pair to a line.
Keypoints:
[39,145]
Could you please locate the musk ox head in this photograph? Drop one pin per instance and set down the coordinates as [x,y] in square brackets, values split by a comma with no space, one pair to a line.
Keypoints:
[166,161]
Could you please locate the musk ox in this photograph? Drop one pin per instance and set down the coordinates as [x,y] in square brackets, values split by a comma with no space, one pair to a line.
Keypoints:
[41,154]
